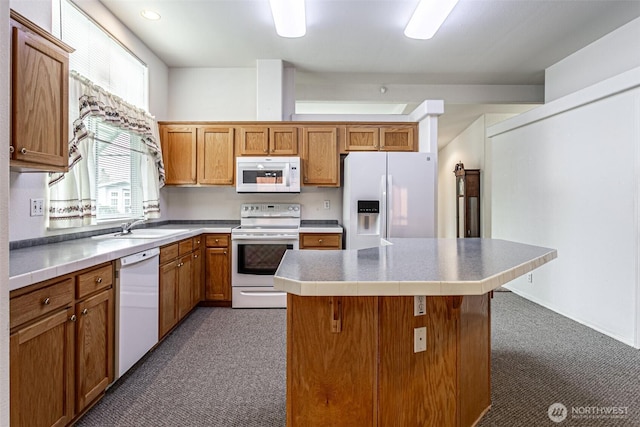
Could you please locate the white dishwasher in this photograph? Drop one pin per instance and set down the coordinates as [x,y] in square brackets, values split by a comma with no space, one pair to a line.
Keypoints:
[137,307]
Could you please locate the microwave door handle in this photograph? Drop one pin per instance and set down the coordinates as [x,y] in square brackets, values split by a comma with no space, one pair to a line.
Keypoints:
[286,177]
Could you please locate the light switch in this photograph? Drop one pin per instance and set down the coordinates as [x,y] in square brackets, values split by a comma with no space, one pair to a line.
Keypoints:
[419,305]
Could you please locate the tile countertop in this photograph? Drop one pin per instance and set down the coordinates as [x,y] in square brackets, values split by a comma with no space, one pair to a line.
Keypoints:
[410,267]
[37,263]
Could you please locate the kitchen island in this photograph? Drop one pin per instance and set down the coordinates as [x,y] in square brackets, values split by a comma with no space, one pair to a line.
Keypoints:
[397,335]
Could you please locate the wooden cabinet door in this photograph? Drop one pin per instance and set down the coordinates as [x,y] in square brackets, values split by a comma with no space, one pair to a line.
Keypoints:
[168,297]
[41,372]
[179,153]
[94,347]
[218,279]
[184,285]
[283,141]
[39,81]
[196,278]
[215,155]
[254,141]
[320,158]
[397,138]
[362,138]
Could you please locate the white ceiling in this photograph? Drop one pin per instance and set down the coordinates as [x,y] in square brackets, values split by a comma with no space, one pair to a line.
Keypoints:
[488,42]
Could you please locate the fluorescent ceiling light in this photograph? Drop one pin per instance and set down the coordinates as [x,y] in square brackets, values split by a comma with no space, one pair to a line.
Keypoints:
[289,17]
[428,17]
[150,14]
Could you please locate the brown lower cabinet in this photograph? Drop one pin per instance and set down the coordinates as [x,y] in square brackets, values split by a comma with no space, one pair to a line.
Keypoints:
[218,269]
[61,347]
[180,281]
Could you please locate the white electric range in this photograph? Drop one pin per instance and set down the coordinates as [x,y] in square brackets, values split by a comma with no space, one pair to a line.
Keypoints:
[265,233]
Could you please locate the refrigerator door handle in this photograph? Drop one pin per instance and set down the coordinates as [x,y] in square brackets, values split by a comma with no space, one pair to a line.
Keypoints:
[390,203]
[383,206]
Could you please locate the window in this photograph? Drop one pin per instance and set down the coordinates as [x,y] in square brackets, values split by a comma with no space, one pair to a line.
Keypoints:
[117,153]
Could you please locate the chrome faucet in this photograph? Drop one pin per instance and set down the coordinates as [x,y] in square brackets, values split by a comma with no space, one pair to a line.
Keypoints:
[126,227]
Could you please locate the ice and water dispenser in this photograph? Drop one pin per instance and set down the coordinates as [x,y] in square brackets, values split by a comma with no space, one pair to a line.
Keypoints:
[368,217]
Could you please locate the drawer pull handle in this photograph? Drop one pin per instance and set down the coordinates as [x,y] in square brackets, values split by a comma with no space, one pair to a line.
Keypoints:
[319,240]
[73,318]
[85,311]
[217,240]
[23,150]
[46,301]
[99,280]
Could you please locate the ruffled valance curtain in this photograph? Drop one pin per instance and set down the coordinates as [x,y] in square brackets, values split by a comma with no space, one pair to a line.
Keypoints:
[72,199]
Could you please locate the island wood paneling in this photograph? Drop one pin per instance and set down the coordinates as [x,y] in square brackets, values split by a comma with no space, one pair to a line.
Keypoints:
[417,389]
[334,379]
[351,361]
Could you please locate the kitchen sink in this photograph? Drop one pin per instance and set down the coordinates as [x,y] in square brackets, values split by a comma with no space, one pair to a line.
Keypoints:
[143,233]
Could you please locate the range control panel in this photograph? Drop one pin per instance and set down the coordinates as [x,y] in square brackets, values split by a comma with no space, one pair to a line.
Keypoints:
[266,210]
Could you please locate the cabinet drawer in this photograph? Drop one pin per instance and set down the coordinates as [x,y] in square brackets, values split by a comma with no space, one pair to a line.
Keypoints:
[94,280]
[34,304]
[217,240]
[169,252]
[185,246]
[196,242]
[321,241]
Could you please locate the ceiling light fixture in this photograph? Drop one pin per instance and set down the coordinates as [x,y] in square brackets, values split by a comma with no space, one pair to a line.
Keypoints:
[428,17]
[289,17]
[150,15]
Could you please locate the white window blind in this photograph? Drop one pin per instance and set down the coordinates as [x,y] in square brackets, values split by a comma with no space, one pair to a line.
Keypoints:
[101,58]
[117,153]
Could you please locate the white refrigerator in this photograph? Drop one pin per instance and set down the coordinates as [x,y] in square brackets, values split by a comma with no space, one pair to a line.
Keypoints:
[386,195]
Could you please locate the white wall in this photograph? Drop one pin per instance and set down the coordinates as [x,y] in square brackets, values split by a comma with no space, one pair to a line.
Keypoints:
[4,214]
[25,186]
[223,203]
[598,61]
[570,182]
[212,94]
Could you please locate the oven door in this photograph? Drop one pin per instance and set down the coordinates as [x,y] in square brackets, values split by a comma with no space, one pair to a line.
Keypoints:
[255,261]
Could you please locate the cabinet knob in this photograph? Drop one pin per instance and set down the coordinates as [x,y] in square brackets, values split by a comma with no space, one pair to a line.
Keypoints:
[195,255]
[11,149]
[217,240]
[46,301]
[319,240]
[99,280]
[225,252]
[85,311]
[23,150]
[73,318]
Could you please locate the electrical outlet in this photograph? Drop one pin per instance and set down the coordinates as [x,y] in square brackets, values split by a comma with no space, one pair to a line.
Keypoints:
[327,204]
[37,207]
[419,305]
[530,277]
[420,339]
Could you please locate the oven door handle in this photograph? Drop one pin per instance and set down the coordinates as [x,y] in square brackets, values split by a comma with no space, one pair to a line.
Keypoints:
[263,293]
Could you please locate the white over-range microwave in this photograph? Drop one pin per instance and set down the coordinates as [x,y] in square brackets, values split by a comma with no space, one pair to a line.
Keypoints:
[268,174]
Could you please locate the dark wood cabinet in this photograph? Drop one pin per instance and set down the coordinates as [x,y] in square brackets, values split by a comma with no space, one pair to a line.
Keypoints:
[467,202]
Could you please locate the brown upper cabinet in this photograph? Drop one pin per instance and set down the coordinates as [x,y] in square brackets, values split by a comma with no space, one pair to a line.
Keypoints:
[268,141]
[320,157]
[39,98]
[195,155]
[397,137]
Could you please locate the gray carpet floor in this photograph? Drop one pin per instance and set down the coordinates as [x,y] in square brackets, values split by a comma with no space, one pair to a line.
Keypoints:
[224,367]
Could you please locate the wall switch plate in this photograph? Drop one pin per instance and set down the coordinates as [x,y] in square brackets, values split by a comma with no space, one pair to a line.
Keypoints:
[419,305]
[420,339]
[327,204]
[530,277]
[37,207]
